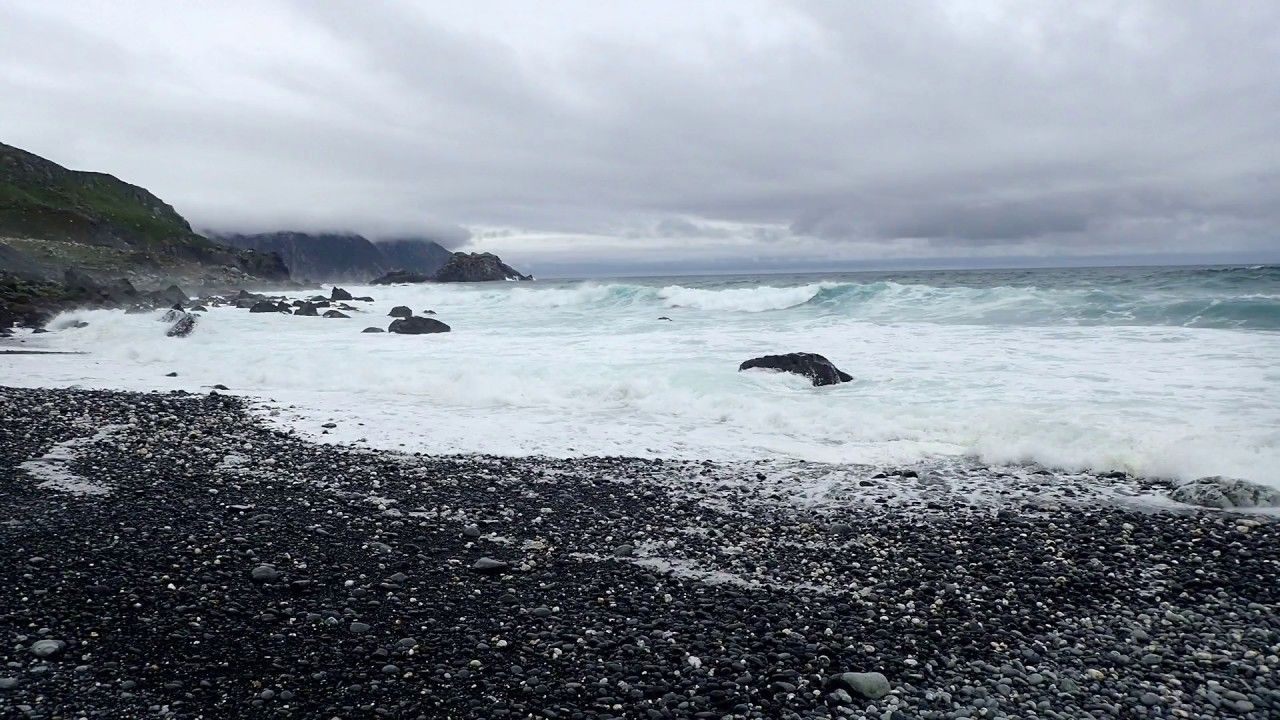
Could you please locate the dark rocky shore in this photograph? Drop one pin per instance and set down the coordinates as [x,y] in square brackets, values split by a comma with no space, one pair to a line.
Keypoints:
[171,556]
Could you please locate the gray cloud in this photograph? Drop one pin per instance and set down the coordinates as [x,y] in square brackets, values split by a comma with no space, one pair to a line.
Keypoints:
[735,133]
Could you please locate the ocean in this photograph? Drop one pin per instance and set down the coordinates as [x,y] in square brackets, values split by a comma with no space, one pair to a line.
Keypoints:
[1170,372]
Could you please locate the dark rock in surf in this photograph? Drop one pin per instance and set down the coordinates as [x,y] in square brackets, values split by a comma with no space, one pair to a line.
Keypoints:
[400,311]
[267,306]
[307,310]
[811,365]
[664,317]
[182,325]
[335,314]
[339,294]
[372,330]
[417,326]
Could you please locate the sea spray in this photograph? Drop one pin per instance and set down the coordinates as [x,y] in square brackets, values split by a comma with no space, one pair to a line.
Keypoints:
[1168,372]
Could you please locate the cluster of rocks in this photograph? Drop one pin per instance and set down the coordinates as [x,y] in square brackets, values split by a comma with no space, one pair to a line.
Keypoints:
[333,306]
[232,570]
[32,303]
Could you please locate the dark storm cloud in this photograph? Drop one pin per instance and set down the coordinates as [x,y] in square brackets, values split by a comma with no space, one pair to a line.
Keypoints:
[737,132]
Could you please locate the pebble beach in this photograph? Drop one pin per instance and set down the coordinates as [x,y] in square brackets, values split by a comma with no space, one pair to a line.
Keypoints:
[175,555]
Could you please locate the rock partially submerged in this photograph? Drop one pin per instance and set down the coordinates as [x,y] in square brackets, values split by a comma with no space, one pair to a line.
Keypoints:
[1225,493]
[400,311]
[811,365]
[339,294]
[268,306]
[182,324]
[417,326]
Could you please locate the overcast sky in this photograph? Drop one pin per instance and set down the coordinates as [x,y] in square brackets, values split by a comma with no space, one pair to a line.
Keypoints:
[614,137]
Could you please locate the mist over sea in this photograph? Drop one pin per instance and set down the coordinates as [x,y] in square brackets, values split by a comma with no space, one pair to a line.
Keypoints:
[1156,371]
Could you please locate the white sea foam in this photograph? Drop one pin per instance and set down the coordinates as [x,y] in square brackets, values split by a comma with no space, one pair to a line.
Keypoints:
[572,369]
[52,471]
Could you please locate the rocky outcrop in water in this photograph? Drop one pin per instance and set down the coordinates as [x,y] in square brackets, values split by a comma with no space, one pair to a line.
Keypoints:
[462,267]
[477,267]
[811,365]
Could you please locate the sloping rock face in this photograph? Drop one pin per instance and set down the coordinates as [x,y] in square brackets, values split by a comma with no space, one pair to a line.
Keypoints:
[320,256]
[52,218]
[817,368]
[416,255]
[1225,493]
[477,267]
[417,326]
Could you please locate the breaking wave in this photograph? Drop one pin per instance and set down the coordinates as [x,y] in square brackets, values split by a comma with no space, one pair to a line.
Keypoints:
[1238,298]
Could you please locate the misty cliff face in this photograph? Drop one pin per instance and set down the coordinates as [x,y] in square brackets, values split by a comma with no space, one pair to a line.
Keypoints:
[344,256]
[414,255]
[52,218]
[323,256]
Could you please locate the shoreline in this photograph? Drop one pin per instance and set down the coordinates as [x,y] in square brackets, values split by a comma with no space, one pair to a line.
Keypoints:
[226,569]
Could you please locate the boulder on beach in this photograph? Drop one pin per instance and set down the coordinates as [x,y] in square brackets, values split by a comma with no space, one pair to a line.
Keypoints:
[489,566]
[417,326]
[400,311]
[339,294]
[1225,493]
[870,685]
[817,368]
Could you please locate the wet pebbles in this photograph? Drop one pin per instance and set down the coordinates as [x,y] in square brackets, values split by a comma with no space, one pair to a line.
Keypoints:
[231,570]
